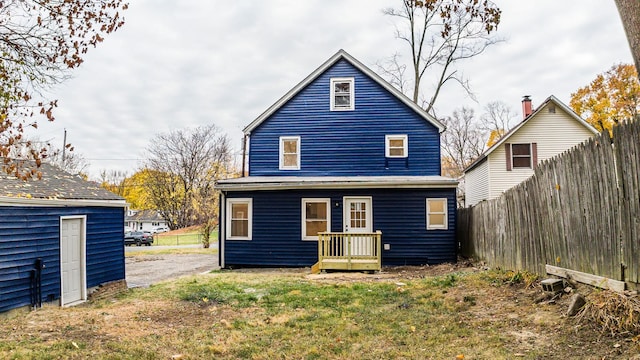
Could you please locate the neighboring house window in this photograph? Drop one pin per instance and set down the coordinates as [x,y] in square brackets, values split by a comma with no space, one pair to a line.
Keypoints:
[239,219]
[521,156]
[290,153]
[342,94]
[396,146]
[316,215]
[436,214]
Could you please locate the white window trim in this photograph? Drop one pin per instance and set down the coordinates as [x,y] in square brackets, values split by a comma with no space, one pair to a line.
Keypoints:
[299,148]
[249,217]
[387,145]
[352,92]
[446,215]
[304,216]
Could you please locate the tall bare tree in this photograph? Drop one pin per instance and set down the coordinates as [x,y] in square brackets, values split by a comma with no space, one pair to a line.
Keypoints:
[440,34]
[463,141]
[184,165]
[496,120]
[41,41]
[630,14]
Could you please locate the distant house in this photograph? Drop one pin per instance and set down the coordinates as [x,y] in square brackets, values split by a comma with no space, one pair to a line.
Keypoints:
[544,133]
[60,237]
[144,220]
[342,152]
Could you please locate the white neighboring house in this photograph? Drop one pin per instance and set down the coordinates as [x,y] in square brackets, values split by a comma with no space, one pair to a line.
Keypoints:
[144,220]
[547,131]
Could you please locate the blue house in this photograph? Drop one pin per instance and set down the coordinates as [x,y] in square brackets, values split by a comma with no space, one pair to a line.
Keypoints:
[347,156]
[60,238]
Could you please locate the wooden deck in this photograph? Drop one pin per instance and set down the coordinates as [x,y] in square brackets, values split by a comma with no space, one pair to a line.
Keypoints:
[349,251]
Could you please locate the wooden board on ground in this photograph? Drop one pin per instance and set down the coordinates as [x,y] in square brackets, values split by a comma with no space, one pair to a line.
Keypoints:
[593,280]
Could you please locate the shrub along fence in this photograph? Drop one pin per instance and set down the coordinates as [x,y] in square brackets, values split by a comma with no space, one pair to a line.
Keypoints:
[580,211]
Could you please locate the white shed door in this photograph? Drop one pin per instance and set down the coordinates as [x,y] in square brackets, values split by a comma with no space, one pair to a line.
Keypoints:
[71,260]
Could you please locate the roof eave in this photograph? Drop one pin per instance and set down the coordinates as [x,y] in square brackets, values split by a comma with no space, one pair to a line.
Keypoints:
[22,201]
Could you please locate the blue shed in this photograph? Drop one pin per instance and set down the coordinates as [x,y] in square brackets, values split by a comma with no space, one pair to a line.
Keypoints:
[343,159]
[60,237]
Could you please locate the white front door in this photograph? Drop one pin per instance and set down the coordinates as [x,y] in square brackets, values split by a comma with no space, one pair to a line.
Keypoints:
[72,269]
[357,220]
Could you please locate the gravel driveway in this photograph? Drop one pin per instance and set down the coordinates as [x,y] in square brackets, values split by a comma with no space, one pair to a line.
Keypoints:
[144,270]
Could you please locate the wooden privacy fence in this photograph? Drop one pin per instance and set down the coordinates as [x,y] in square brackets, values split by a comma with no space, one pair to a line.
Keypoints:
[580,211]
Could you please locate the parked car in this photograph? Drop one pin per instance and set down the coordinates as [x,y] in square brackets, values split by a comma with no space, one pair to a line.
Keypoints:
[159,229]
[138,238]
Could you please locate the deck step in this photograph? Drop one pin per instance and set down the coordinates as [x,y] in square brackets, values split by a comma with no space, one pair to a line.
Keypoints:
[315,269]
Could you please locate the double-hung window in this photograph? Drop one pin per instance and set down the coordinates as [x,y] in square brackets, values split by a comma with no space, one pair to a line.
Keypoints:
[290,153]
[316,217]
[396,146]
[239,219]
[521,156]
[342,94]
[436,214]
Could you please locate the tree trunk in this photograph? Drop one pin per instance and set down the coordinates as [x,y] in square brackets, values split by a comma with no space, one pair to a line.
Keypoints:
[630,14]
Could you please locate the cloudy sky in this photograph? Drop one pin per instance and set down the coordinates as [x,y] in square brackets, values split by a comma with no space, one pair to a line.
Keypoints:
[178,64]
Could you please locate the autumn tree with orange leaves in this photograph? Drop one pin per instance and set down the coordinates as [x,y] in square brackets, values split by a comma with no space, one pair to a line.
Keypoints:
[41,41]
[611,97]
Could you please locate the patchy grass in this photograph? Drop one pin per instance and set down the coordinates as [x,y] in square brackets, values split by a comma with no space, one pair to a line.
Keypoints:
[409,313]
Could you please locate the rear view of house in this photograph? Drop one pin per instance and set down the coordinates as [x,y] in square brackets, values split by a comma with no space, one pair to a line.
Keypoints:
[344,153]
[544,133]
[60,237]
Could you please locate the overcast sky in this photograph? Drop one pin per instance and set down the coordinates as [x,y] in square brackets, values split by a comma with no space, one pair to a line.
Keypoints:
[178,64]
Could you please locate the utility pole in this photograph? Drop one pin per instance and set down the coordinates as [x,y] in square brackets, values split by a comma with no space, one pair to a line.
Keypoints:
[64,147]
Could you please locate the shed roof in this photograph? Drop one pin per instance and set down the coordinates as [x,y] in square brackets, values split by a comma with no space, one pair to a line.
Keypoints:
[55,184]
[515,129]
[341,54]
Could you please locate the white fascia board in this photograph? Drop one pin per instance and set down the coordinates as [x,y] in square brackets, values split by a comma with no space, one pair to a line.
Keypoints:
[21,201]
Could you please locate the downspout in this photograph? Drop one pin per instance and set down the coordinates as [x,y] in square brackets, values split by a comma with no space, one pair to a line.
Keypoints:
[244,155]
[221,227]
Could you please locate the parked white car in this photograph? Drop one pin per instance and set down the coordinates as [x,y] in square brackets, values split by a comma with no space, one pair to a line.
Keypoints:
[159,229]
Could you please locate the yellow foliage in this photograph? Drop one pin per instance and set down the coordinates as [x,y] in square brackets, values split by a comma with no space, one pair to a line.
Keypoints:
[494,136]
[611,97]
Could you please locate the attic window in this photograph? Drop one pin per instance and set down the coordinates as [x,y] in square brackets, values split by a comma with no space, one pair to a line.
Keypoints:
[290,153]
[342,94]
[396,146]
[552,109]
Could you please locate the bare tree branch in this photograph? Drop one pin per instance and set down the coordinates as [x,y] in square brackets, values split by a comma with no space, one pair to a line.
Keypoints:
[440,34]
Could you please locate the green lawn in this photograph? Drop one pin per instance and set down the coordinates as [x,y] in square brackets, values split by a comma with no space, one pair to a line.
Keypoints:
[182,239]
[282,314]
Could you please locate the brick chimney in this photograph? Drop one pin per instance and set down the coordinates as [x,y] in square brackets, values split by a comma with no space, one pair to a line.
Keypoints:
[526,106]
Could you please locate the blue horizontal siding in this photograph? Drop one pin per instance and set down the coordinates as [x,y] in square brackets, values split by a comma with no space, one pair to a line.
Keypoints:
[399,213]
[28,233]
[339,143]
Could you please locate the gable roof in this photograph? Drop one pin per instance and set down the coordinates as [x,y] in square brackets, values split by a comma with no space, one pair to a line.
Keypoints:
[145,215]
[341,54]
[515,129]
[57,185]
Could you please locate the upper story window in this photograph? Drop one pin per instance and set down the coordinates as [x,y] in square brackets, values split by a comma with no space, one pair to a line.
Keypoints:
[342,92]
[437,214]
[290,153]
[523,156]
[396,146]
